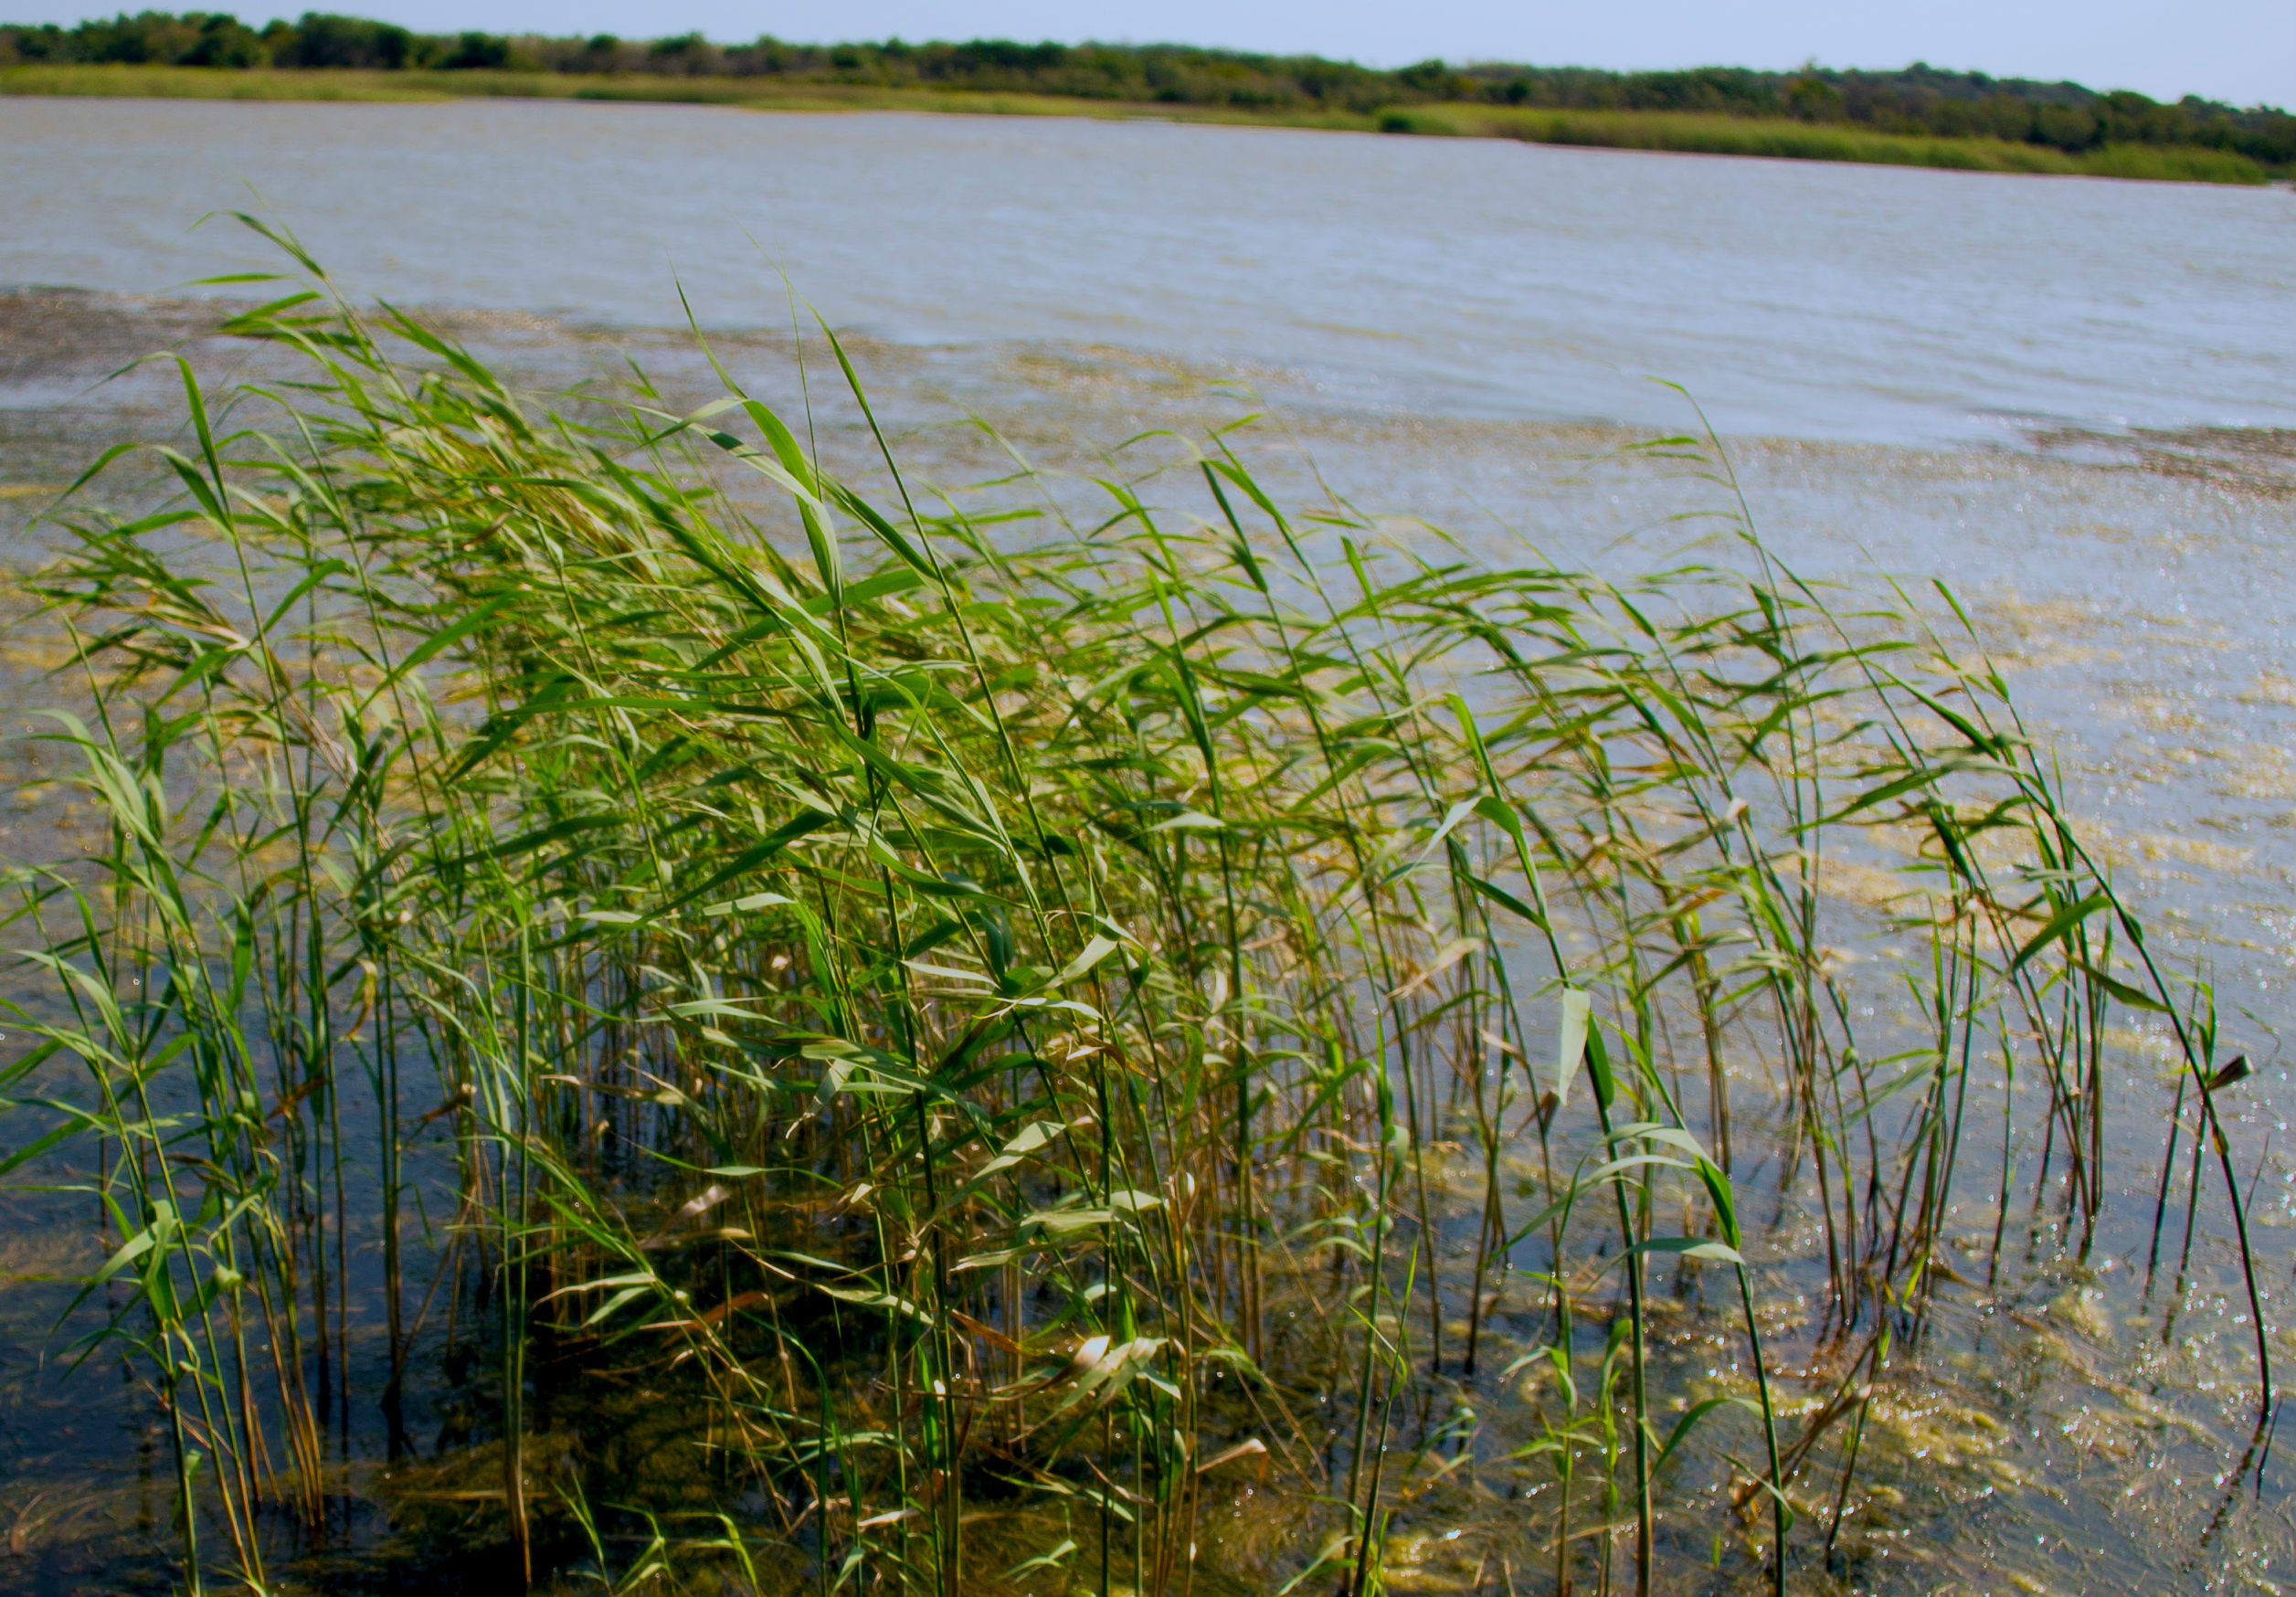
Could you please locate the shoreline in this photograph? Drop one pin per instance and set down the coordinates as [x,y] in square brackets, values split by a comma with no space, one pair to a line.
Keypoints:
[86,341]
[86,353]
[1662,133]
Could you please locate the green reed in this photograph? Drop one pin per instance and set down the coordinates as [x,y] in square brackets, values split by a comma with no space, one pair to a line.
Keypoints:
[981,994]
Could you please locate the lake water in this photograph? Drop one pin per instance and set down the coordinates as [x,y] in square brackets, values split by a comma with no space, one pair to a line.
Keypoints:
[2072,400]
[1450,277]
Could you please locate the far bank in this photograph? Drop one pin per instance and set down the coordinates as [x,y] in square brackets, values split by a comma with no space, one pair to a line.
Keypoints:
[1778,138]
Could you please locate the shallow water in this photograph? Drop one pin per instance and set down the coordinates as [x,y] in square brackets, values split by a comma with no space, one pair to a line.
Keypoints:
[2006,383]
[1422,276]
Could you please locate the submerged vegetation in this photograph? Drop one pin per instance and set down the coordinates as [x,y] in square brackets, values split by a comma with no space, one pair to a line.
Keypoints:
[979,1030]
[1920,115]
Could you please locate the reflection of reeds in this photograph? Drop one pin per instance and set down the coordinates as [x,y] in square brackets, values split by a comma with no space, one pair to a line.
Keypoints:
[952,995]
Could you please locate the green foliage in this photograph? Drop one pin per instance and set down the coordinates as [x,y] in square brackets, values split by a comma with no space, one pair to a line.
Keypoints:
[150,38]
[1788,138]
[320,40]
[1920,101]
[316,40]
[1025,991]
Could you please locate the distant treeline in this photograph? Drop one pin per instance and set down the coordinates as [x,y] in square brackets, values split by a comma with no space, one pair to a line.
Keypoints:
[1919,100]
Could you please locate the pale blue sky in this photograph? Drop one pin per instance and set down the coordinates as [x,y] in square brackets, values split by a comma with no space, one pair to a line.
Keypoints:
[2238,50]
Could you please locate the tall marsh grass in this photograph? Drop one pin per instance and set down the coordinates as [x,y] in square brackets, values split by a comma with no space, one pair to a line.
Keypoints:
[1018,1020]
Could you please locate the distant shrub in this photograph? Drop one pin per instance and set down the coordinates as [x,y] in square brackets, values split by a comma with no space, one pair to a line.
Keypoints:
[477,52]
[689,54]
[319,39]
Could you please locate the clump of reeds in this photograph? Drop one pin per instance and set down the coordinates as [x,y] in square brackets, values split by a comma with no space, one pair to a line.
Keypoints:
[997,1004]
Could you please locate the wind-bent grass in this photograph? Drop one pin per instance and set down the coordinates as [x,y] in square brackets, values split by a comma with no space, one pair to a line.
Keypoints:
[991,1004]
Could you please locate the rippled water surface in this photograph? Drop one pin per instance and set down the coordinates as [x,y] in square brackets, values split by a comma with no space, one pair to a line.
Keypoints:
[1464,276]
[2068,400]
